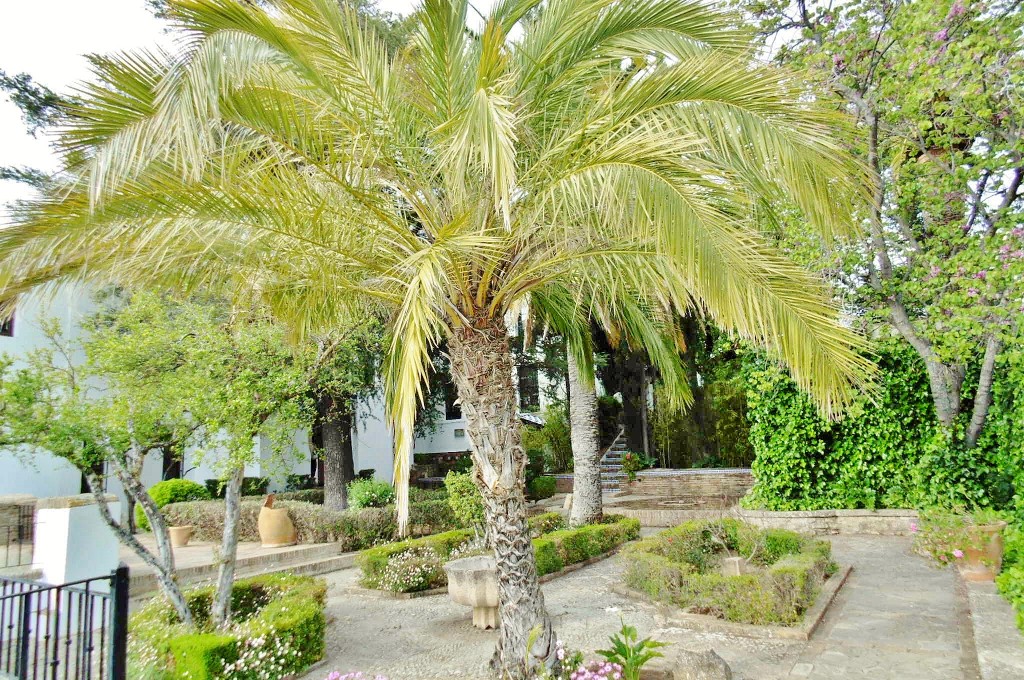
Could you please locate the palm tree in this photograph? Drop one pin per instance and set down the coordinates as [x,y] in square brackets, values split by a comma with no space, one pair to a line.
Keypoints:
[282,154]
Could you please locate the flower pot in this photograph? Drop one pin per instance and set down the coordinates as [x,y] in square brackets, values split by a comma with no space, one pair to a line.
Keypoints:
[473,581]
[276,528]
[180,536]
[983,556]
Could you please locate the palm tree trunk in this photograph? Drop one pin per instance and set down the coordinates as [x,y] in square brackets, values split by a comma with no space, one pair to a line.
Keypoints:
[482,368]
[586,449]
[339,467]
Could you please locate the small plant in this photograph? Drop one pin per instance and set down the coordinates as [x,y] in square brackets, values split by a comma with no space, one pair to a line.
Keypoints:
[370,493]
[633,462]
[464,499]
[472,548]
[945,535]
[629,652]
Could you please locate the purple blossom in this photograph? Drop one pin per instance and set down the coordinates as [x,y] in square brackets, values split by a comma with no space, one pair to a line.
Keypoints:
[913,527]
[981,275]
[942,35]
[957,10]
[973,292]
[958,553]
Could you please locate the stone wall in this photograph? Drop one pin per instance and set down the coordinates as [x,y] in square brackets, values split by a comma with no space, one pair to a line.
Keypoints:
[704,483]
[826,522]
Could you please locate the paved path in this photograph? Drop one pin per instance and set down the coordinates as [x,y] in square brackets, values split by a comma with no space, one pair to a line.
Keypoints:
[896,618]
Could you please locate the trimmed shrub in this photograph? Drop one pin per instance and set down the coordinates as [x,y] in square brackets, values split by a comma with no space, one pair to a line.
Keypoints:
[541,488]
[552,551]
[278,629]
[464,499]
[680,566]
[170,491]
[370,493]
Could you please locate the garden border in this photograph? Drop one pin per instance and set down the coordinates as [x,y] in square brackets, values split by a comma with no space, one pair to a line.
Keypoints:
[711,624]
[388,595]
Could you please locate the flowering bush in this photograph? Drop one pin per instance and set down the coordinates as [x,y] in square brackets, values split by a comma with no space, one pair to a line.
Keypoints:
[370,493]
[413,570]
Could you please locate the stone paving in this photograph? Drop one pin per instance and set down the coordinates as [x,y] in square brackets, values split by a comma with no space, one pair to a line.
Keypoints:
[897,618]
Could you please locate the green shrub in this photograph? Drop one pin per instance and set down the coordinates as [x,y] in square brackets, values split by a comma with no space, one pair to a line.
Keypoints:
[553,551]
[680,566]
[370,493]
[278,630]
[352,529]
[170,491]
[464,499]
[418,495]
[541,488]
[314,496]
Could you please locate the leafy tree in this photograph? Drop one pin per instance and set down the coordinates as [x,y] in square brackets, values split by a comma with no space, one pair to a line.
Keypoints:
[286,155]
[936,89]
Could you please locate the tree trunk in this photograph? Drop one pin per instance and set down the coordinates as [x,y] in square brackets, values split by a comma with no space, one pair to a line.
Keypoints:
[482,368]
[586,449]
[633,387]
[339,467]
[983,396]
[221,612]
[163,562]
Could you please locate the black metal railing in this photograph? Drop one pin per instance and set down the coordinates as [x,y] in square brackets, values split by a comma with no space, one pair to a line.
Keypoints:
[16,537]
[71,631]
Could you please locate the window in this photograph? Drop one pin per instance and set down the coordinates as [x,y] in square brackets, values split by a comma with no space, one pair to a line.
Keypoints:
[7,326]
[529,387]
[452,410]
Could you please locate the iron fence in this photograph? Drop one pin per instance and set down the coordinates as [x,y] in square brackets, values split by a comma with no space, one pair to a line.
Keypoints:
[17,536]
[71,631]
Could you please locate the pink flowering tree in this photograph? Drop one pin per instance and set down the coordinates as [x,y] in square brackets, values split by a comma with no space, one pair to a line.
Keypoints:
[936,91]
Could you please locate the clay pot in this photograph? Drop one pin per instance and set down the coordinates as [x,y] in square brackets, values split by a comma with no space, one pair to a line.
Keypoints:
[180,536]
[983,557]
[275,526]
[473,581]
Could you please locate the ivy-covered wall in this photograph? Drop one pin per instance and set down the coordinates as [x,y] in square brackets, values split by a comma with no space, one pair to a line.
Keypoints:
[885,453]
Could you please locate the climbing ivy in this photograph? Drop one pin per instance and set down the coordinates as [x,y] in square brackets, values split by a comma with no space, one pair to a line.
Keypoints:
[888,451]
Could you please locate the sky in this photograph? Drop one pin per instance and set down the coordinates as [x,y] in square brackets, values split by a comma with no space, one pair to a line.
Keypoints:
[48,38]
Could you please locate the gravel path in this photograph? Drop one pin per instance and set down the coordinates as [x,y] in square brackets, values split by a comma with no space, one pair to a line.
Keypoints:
[896,618]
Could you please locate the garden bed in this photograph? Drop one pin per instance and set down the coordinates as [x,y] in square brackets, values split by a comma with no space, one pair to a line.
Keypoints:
[412,567]
[278,627]
[731,571]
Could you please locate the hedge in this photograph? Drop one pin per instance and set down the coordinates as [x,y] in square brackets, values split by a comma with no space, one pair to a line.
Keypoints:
[354,529]
[553,551]
[679,566]
[278,629]
[541,488]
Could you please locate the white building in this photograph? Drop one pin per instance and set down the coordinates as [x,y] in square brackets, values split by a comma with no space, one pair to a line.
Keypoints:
[44,475]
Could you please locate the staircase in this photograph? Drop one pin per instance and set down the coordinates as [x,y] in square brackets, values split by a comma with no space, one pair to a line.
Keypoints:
[612,475]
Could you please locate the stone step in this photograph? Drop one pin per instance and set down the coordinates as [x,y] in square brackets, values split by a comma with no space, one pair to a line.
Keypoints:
[313,559]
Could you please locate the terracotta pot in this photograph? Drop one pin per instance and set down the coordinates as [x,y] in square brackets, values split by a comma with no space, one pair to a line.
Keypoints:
[276,528]
[180,536]
[983,557]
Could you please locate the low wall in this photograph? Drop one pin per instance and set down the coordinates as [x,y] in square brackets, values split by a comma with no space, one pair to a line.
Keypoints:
[695,483]
[563,483]
[831,522]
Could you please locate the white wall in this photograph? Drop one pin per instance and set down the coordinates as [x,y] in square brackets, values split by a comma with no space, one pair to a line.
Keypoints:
[40,474]
[373,442]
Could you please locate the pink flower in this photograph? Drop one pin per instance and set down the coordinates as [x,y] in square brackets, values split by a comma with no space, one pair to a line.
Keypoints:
[957,9]
[913,527]
[942,35]
[958,553]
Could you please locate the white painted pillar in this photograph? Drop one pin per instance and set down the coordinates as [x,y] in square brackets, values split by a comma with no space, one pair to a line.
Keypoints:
[72,542]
